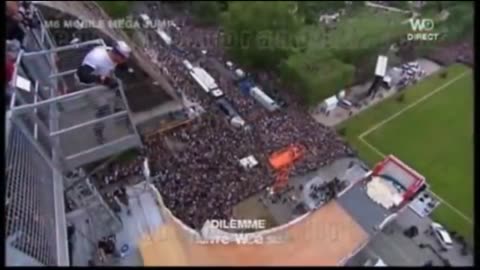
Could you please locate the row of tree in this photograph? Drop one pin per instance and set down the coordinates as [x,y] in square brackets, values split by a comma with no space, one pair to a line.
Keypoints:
[317,74]
[285,36]
[282,36]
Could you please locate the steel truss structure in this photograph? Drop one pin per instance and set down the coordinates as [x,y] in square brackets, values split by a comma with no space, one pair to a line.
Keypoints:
[48,134]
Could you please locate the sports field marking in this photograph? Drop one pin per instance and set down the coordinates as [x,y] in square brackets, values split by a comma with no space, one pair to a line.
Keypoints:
[371,147]
[418,101]
[433,193]
[452,207]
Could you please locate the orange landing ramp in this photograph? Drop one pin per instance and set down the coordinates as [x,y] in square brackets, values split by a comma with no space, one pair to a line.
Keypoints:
[325,238]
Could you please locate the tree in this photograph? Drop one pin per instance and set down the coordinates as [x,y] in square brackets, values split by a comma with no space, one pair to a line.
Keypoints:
[317,75]
[399,4]
[439,6]
[312,10]
[260,34]
[206,12]
[116,9]
[359,38]
[223,5]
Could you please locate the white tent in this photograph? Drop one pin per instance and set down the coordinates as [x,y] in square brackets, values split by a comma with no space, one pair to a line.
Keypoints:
[239,73]
[248,162]
[381,66]
[330,103]
[237,121]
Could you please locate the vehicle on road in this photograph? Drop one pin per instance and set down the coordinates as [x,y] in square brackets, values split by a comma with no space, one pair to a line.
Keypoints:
[442,235]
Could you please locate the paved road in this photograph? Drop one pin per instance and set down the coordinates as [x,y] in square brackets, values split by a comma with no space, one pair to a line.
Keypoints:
[409,218]
[338,115]
[221,68]
[283,212]
[398,250]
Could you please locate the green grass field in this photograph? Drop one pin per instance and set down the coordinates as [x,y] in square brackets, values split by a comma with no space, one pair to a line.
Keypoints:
[432,131]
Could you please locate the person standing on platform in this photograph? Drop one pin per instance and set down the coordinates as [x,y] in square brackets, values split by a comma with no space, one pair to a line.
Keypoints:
[98,67]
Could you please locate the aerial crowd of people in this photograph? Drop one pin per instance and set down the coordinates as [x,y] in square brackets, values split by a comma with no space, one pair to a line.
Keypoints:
[196,167]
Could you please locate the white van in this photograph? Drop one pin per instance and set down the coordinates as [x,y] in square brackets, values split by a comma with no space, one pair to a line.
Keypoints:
[343,103]
[442,235]
[240,74]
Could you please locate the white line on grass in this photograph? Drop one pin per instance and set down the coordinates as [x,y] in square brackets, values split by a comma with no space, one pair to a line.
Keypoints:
[418,101]
[453,208]
[436,195]
[372,147]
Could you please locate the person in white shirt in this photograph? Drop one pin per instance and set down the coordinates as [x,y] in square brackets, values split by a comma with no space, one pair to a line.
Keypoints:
[99,64]
[98,67]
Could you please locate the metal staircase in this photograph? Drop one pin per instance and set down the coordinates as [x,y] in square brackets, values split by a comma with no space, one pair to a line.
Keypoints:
[85,195]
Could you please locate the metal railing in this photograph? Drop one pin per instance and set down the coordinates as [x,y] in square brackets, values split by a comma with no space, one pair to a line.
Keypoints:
[35,218]
[35,210]
[73,107]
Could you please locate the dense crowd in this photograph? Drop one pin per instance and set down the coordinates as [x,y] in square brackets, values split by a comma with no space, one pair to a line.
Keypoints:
[196,167]
[456,52]
[322,193]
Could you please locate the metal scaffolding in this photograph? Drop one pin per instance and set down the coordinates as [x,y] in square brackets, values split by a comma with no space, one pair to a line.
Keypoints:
[76,138]
[49,133]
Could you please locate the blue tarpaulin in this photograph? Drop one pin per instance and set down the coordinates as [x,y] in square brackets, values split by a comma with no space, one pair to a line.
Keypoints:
[245,86]
[394,181]
[177,51]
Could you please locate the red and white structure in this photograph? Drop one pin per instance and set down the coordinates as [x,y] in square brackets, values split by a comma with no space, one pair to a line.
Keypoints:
[404,174]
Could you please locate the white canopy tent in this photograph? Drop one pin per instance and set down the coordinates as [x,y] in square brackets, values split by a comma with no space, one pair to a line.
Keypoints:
[330,103]
[248,162]
[237,121]
[381,67]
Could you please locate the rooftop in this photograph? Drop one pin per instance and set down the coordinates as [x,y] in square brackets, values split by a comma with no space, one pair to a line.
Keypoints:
[363,209]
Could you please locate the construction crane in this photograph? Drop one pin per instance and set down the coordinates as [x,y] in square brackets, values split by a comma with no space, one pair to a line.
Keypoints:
[282,161]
